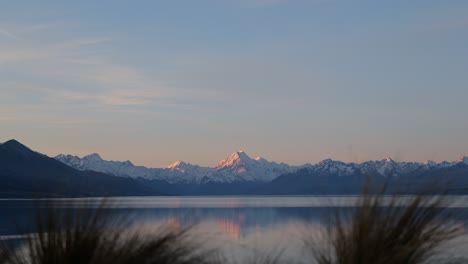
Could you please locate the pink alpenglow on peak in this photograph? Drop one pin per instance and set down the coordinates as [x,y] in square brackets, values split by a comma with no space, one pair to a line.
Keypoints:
[235,159]
[240,167]
[177,165]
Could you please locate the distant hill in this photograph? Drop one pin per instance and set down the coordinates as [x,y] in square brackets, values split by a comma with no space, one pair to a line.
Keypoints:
[26,173]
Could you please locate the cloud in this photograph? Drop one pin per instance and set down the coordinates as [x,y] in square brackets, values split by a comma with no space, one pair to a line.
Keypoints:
[73,71]
[16,32]
[8,34]
[103,98]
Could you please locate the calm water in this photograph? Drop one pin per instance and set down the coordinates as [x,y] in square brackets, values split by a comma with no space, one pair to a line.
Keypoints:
[240,225]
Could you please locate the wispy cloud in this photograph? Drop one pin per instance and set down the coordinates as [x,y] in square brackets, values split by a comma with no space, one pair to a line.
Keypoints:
[7,34]
[111,97]
[18,31]
[74,72]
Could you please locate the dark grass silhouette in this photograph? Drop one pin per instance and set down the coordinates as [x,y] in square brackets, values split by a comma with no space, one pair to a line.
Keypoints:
[91,236]
[3,256]
[383,230]
[272,258]
[275,256]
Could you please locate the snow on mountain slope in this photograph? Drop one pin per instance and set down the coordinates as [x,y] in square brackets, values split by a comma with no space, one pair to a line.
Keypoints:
[334,167]
[384,167]
[178,172]
[94,162]
[181,172]
[463,160]
[389,167]
[239,167]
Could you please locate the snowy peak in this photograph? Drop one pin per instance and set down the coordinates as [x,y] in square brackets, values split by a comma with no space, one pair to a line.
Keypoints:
[332,166]
[93,157]
[240,167]
[127,163]
[61,156]
[239,155]
[70,160]
[326,162]
[235,159]
[463,160]
[182,172]
[177,165]
[182,166]
[389,167]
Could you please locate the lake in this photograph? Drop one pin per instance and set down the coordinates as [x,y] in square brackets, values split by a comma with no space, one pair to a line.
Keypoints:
[241,226]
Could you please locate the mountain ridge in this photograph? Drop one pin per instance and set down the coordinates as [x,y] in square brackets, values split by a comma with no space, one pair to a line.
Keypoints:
[24,172]
[239,167]
[27,173]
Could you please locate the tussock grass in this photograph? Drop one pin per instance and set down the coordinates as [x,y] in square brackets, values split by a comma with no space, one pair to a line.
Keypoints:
[90,235]
[385,230]
[3,256]
[274,256]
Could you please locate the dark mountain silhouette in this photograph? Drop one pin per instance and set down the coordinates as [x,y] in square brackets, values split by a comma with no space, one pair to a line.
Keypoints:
[26,173]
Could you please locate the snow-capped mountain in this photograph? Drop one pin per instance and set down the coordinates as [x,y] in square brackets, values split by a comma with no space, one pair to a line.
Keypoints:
[239,167]
[329,166]
[182,172]
[94,162]
[385,167]
[178,172]
[389,167]
[463,160]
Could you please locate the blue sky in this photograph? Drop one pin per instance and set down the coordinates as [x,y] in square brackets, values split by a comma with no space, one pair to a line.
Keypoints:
[288,80]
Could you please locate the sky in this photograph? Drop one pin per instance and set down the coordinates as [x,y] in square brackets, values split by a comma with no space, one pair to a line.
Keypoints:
[294,81]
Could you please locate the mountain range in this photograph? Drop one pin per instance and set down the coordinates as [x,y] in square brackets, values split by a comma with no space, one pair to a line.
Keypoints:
[239,167]
[24,172]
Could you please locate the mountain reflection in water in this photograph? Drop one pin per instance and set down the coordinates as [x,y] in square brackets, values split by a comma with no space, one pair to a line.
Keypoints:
[238,225]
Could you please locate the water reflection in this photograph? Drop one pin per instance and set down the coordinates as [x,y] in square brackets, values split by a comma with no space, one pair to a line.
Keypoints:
[240,225]
[232,227]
